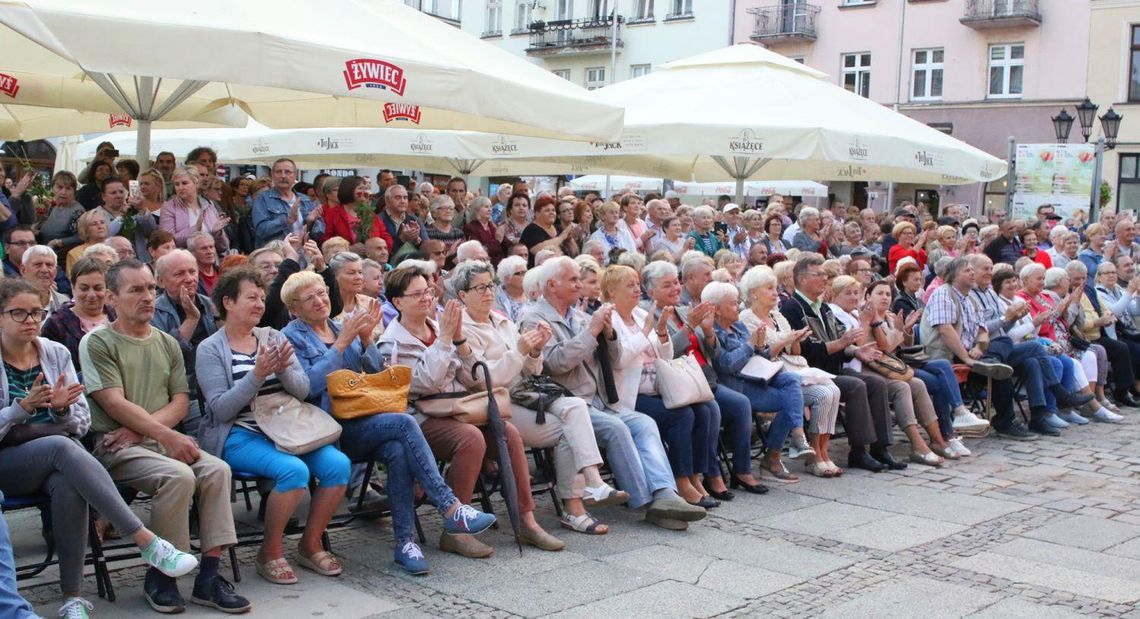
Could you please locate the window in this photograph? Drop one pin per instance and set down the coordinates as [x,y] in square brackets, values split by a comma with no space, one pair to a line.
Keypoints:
[643,9]
[1128,187]
[637,70]
[493,23]
[599,9]
[595,77]
[858,2]
[681,7]
[1134,66]
[522,16]
[926,76]
[857,73]
[1007,68]
[563,73]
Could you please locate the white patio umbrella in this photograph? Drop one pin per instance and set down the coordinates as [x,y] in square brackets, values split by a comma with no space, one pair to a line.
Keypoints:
[288,63]
[754,188]
[744,112]
[598,182]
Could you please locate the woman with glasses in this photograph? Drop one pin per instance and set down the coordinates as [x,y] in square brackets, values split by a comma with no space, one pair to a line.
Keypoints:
[42,414]
[348,269]
[441,359]
[509,296]
[92,229]
[444,228]
[323,346]
[566,426]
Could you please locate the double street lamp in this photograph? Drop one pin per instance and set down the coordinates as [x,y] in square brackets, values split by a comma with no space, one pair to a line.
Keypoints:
[1086,114]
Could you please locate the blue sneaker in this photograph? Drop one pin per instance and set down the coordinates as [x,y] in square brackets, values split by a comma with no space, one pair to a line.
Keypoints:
[467,519]
[411,558]
[1074,418]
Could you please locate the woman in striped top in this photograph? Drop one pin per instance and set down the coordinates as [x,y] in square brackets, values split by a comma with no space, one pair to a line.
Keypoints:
[234,366]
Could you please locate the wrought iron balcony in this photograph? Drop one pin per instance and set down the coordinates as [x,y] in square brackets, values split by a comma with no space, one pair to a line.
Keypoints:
[989,14]
[785,23]
[573,36]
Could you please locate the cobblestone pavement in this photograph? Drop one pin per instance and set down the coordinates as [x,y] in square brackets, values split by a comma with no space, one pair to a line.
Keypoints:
[1043,529]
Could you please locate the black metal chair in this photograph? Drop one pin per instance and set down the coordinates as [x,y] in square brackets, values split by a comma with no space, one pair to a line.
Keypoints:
[95,556]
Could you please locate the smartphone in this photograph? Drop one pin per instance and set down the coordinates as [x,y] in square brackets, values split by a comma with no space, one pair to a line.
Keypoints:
[721,226]
[134,189]
[112,153]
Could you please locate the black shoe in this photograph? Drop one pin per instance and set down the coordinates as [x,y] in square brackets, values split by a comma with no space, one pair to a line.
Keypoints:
[1040,426]
[1016,431]
[884,455]
[860,459]
[161,592]
[727,495]
[735,483]
[1127,399]
[1066,399]
[219,593]
[706,502]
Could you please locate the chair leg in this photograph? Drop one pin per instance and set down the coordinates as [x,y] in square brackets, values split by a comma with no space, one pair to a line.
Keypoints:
[419,528]
[99,562]
[364,486]
[234,564]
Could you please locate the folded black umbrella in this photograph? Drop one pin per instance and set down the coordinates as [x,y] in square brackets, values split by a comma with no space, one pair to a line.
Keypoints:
[498,427]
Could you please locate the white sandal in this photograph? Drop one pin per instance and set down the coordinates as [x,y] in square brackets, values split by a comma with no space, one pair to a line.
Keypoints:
[603,496]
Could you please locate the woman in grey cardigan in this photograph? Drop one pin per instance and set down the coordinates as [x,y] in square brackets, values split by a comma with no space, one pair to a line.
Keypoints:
[42,413]
[234,366]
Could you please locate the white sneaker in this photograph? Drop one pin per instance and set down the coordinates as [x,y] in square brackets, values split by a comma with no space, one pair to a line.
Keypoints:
[1107,416]
[969,421]
[957,446]
[75,608]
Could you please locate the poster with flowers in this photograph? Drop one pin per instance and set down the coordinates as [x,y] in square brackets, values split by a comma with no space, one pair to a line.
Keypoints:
[1057,174]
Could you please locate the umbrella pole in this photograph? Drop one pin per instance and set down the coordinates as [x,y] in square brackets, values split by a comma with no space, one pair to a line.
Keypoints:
[740,191]
[142,144]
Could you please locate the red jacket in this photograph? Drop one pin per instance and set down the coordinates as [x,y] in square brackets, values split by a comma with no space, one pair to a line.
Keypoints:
[339,221]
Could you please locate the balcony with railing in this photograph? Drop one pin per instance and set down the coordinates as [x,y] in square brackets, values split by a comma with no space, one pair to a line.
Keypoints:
[990,14]
[785,23]
[566,37]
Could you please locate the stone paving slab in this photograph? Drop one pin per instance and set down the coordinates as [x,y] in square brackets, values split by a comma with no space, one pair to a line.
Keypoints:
[1011,608]
[1120,590]
[1086,532]
[912,597]
[896,532]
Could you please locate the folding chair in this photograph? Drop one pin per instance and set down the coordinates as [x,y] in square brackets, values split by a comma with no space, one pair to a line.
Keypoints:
[95,556]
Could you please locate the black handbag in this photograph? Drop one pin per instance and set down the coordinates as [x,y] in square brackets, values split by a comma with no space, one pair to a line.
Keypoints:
[537,393]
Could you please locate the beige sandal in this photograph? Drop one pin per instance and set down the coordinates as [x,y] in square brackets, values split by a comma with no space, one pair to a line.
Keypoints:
[277,572]
[323,563]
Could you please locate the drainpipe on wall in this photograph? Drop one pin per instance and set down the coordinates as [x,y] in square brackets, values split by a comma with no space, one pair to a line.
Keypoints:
[732,24]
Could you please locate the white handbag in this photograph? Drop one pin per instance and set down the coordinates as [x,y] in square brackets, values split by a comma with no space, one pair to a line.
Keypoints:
[681,382]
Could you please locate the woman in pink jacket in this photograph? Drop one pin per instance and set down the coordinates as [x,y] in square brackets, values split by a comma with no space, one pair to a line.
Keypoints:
[187,212]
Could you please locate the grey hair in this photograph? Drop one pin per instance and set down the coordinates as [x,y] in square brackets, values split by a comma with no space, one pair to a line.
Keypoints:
[1103,265]
[509,265]
[192,240]
[592,243]
[976,261]
[466,250]
[424,266]
[702,211]
[38,250]
[476,204]
[466,271]
[1032,268]
[756,277]
[719,292]
[1076,266]
[655,271]
[343,258]
[160,265]
[1053,276]
[439,201]
[391,190]
[102,248]
[808,211]
[950,272]
[550,269]
[689,266]
[633,260]
[372,264]
[545,254]
[532,284]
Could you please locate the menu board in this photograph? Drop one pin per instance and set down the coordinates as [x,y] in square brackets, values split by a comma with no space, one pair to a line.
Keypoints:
[1057,174]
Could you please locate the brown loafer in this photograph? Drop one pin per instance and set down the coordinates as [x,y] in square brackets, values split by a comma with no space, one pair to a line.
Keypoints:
[541,539]
[465,545]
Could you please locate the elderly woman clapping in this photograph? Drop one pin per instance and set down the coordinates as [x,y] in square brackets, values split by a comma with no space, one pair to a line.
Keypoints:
[758,286]
[566,426]
[324,346]
[441,359]
[236,365]
[780,393]
[187,212]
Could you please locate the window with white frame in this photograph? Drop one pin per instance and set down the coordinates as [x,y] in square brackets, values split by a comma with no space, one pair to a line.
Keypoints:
[637,70]
[563,73]
[857,73]
[599,9]
[681,7]
[926,74]
[1007,70]
[494,19]
[858,2]
[595,77]
[642,9]
[522,16]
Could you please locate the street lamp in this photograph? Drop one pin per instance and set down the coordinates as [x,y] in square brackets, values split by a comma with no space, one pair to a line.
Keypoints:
[1062,125]
[1086,113]
[1110,124]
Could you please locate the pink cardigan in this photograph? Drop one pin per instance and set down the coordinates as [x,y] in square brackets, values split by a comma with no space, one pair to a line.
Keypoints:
[175,219]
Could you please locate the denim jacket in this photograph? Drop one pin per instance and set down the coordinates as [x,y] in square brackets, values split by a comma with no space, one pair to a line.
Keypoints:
[732,355]
[320,359]
[166,319]
[270,215]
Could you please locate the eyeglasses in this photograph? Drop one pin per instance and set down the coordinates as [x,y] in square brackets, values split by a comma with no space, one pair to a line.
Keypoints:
[21,243]
[481,288]
[814,274]
[22,315]
[320,294]
[418,295]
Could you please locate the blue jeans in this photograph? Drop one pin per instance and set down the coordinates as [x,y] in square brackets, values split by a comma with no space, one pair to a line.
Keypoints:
[1030,362]
[634,452]
[686,432]
[396,440]
[783,395]
[1065,367]
[942,385]
[253,452]
[736,412]
[11,604]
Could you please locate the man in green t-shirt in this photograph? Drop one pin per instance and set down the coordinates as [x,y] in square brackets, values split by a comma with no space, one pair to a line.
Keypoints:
[136,380]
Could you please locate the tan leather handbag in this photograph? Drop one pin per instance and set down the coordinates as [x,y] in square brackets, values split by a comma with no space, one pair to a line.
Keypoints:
[357,394]
[463,406]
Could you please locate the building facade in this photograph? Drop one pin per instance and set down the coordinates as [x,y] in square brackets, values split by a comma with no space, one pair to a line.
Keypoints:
[980,70]
[1114,80]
